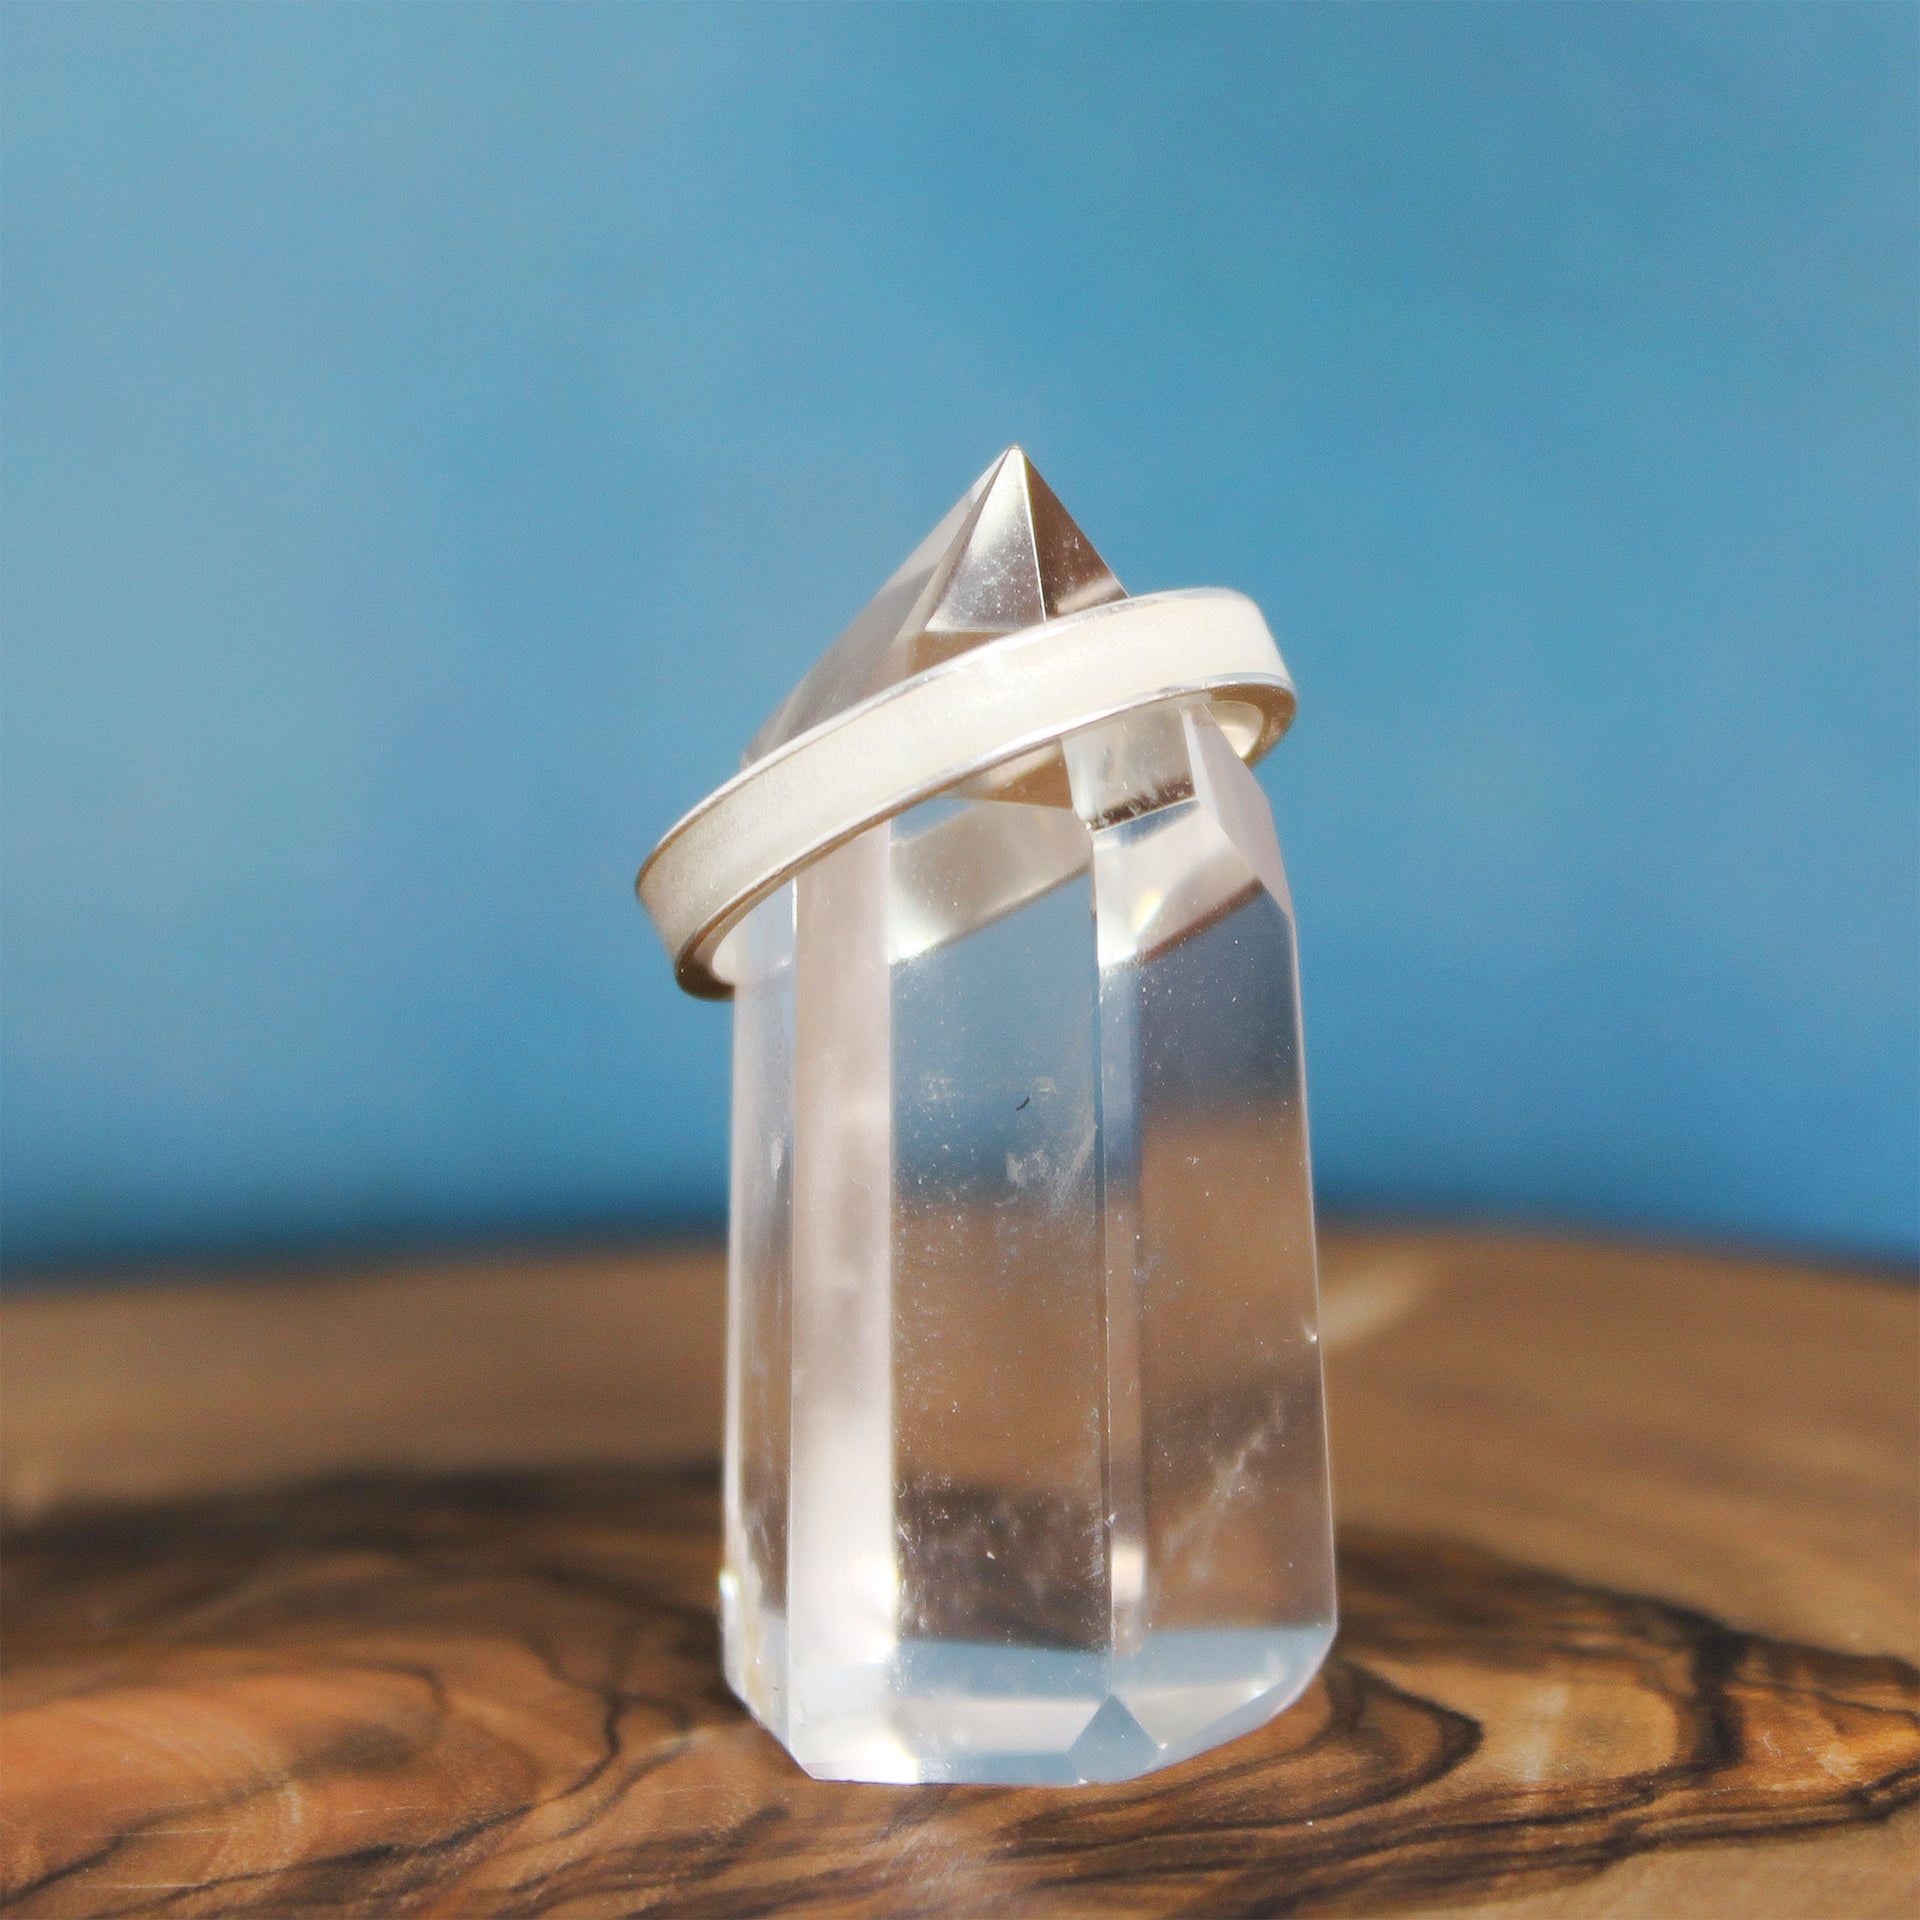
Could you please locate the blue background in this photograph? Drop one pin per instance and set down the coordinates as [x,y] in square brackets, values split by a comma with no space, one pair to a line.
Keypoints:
[435,436]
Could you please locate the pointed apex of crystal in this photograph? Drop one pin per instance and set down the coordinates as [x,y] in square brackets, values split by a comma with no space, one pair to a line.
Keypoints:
[1006,556]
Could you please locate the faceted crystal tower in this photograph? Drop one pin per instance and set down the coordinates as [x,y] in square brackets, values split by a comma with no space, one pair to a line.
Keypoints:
[1025,1460]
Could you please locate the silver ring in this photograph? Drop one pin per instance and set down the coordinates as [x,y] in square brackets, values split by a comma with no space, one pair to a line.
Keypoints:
[942,728]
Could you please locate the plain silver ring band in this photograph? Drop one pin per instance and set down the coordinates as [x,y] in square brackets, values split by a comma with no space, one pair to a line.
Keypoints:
[943,727]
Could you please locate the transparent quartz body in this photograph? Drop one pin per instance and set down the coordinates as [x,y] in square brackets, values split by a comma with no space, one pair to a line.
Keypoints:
[1026,1471]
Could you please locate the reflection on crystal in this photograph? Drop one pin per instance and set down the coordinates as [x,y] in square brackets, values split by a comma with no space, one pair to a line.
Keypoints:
[1026,1468]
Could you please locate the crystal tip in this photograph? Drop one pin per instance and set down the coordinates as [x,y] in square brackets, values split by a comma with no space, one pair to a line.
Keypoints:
[1006,556]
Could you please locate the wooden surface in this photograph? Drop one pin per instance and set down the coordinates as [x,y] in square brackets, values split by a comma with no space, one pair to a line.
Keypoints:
[1630,1577]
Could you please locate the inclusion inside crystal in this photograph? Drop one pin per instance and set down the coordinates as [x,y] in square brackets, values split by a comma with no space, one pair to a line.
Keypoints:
[1026,1469]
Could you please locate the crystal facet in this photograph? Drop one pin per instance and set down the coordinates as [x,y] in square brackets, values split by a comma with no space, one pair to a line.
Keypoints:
[1026,1469]
[1005,556]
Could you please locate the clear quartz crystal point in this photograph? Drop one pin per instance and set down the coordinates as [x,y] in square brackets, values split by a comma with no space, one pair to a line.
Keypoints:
[1026,1465]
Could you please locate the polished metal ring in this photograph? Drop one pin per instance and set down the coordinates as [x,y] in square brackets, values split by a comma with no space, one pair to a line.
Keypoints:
[942,728]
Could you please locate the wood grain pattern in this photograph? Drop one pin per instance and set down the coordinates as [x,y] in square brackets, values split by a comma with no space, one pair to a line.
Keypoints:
[502,1696]
[465,1685]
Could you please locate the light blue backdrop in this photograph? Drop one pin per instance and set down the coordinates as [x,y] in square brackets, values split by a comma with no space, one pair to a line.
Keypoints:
[434,436]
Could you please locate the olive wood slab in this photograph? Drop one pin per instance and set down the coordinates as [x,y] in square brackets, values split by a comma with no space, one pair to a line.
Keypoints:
[1628,1575]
